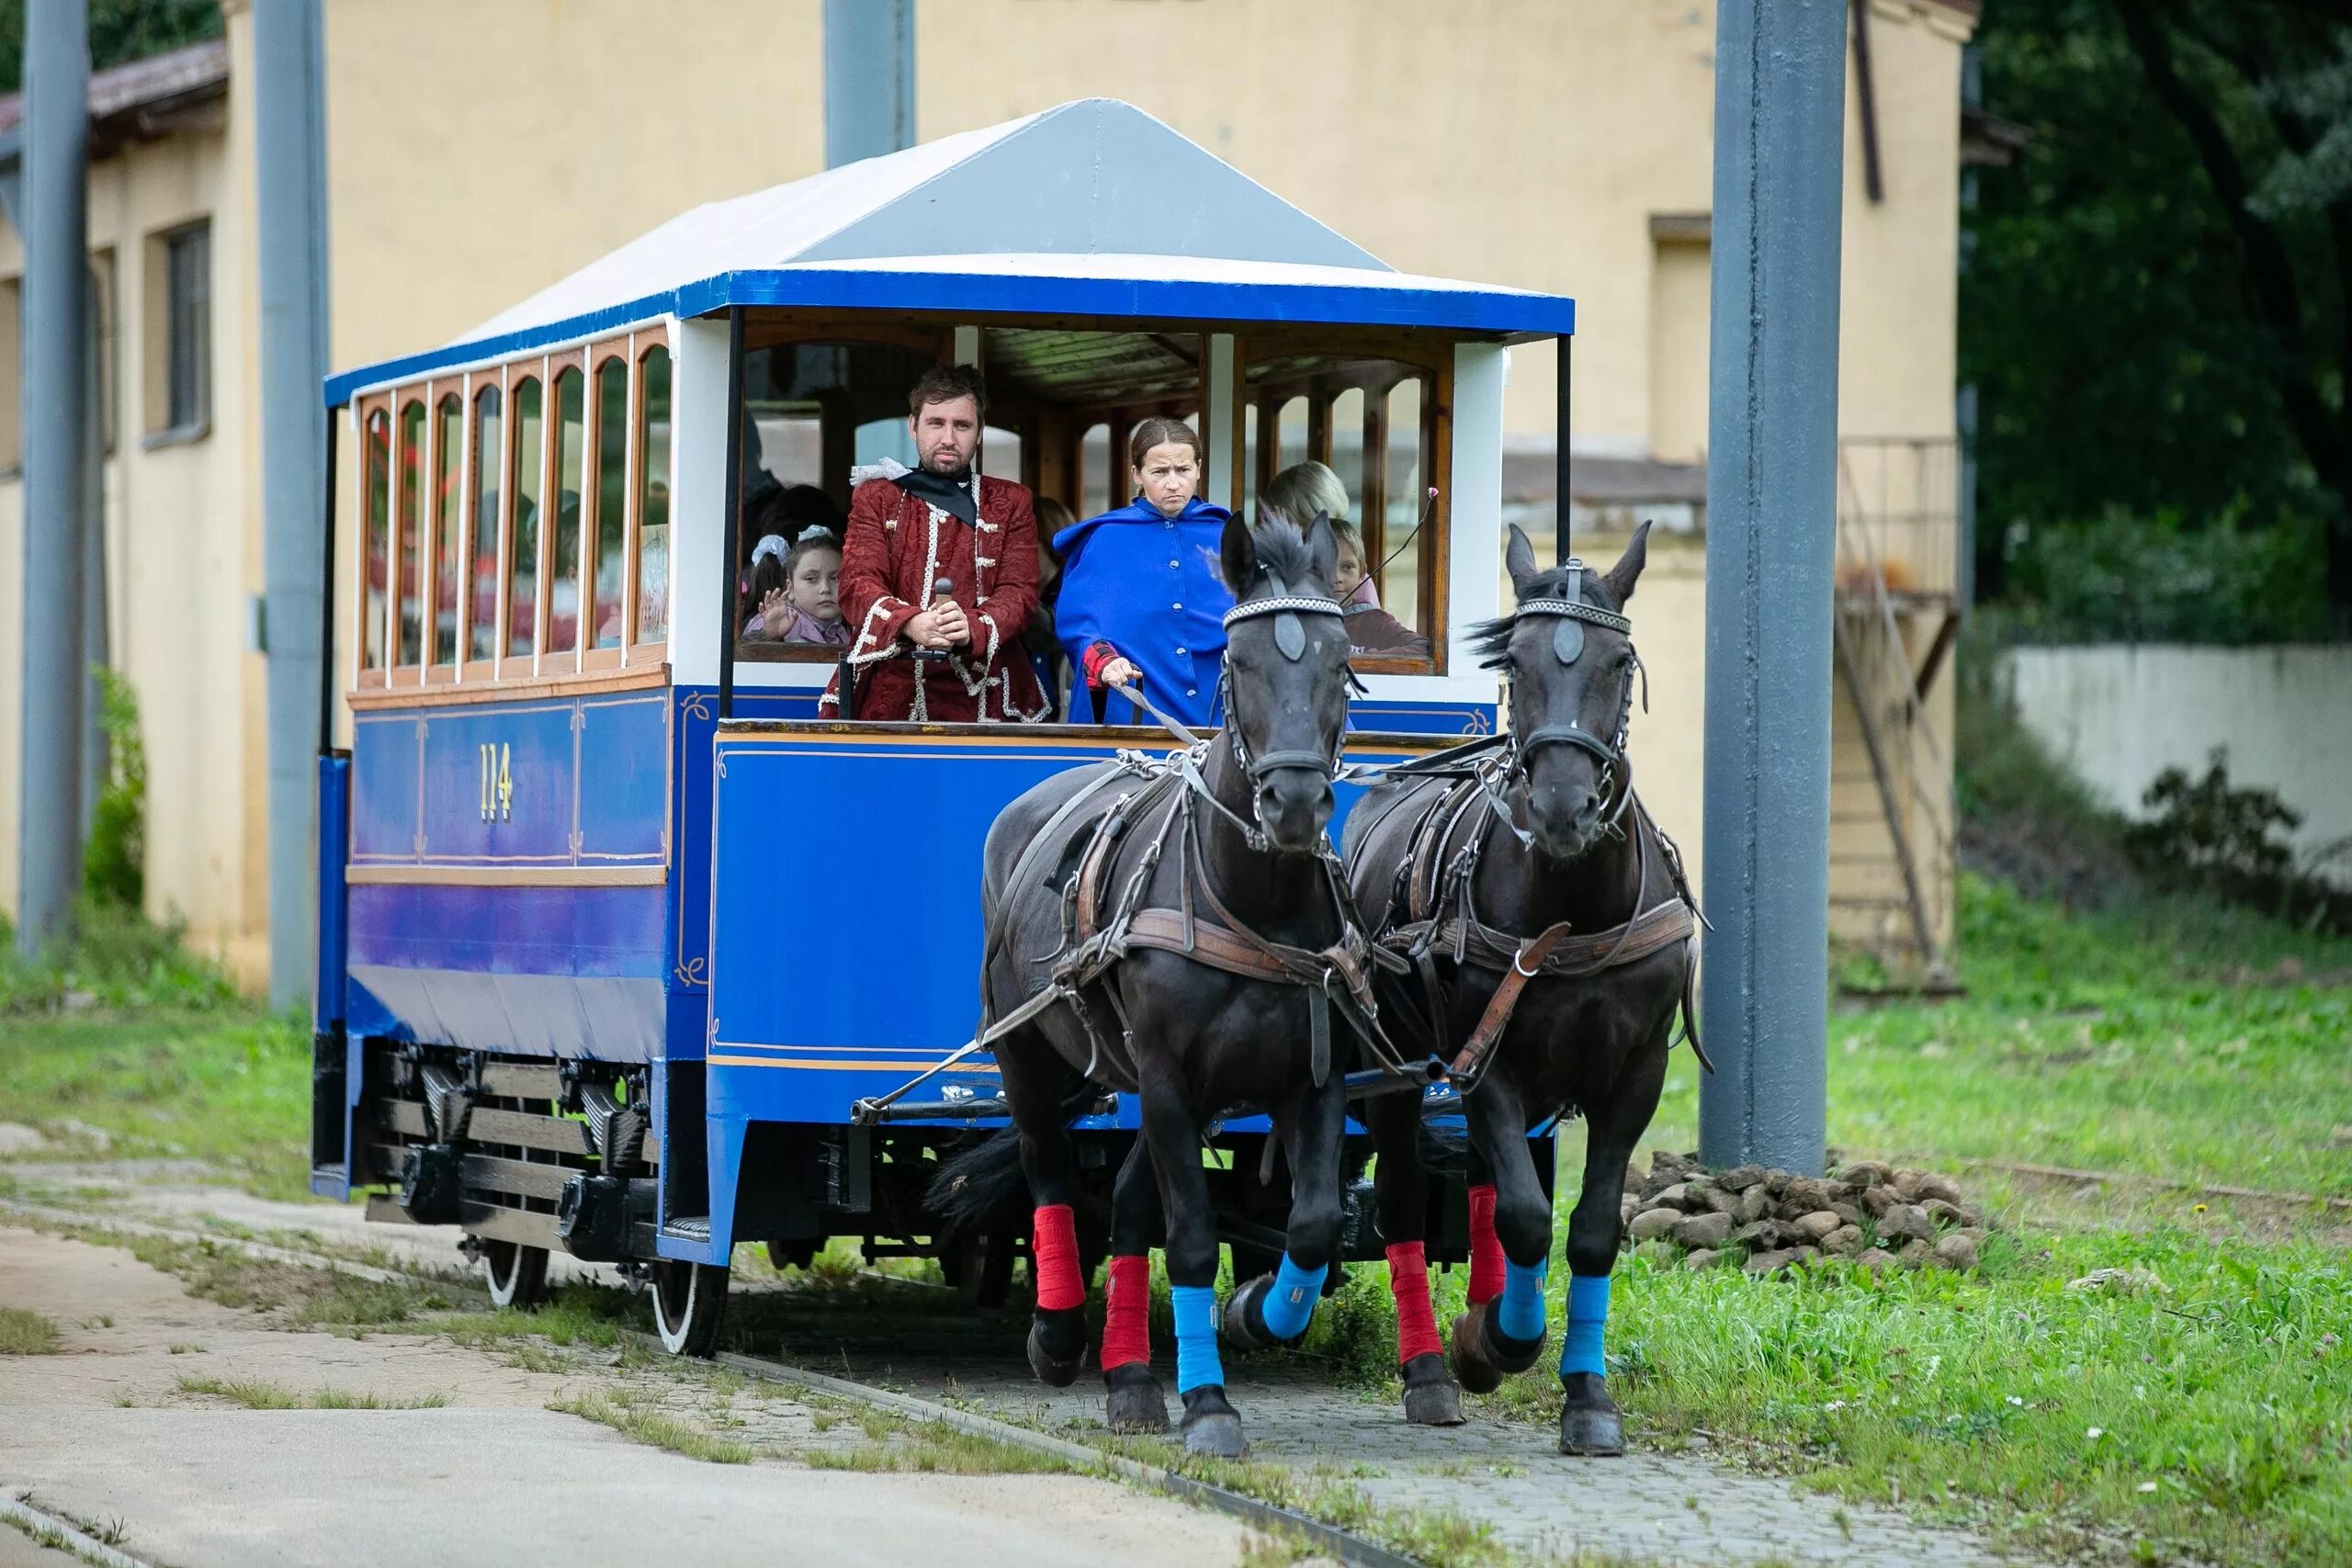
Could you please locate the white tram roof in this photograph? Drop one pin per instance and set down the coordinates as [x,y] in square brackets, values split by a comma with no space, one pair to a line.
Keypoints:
[1093,208]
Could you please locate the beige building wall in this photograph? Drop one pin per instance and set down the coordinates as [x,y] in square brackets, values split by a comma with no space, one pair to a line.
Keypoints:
[181,539]
[476,152]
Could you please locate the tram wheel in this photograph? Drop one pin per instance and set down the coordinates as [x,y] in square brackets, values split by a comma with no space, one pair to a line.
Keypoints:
[982,1268]
[689,1301]
[517,1274]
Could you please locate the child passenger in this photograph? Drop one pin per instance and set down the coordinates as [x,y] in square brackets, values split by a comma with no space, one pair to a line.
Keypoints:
[798,589]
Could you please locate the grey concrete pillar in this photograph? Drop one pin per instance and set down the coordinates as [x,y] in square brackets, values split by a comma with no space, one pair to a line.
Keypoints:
[289,111]
[1771,478]
[869,78]
[56,405]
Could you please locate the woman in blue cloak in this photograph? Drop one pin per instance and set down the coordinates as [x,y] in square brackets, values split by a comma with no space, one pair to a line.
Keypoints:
[1142,602]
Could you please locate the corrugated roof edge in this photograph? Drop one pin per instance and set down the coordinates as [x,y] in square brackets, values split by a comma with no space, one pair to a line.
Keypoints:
[1511,314]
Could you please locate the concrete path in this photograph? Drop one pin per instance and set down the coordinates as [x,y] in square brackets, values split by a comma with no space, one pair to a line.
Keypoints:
[129,1423]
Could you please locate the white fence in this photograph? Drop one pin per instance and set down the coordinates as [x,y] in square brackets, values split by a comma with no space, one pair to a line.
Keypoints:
[2119,714]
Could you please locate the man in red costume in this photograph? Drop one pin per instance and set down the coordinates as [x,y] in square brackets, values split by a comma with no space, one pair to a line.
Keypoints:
[949,656]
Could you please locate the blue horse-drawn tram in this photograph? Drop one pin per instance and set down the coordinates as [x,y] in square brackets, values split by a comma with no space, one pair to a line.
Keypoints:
[629,953]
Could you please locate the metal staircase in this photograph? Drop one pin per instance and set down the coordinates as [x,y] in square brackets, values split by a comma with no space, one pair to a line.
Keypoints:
[1892,811]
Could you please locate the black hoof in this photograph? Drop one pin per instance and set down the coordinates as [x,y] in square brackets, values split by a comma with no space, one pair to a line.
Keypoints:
[1432,1398]
[1482,1354]
[1244,1324]
[1211,1426]
[1590,1424]
[1465,1356]
[1058,1344]
[1137,1403]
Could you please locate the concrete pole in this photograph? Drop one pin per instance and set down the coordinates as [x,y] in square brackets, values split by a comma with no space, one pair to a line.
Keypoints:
[869,78]
[56,405]
[1772,478]
[289,112]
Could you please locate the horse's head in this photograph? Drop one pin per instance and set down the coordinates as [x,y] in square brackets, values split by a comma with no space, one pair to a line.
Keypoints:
[1285,674]
[1568,650]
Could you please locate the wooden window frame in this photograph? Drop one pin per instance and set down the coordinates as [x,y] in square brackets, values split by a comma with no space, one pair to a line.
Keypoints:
[470,669]
[552,662]
[634,647]
[604,352]
[362,411]
[446,516]
[1428,361]
[416,396]
[512,666]
[848,333]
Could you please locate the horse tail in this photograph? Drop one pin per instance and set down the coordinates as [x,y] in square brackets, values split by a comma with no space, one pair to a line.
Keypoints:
[983,1188]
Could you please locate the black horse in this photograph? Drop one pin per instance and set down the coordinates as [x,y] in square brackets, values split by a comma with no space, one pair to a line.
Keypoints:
[1180,931]
[1550,927]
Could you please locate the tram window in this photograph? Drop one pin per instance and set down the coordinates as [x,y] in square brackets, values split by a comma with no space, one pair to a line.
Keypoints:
[523,547]
[1347,447]
[612,501]
[653,497]
[1248,470]
[1401,544]
[1290,434]
[376,500]
[1000,452]
[482,608]
[1095,483]
[409,646]
[448,443]
[563,549]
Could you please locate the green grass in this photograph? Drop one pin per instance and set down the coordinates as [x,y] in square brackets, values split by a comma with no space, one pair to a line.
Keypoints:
[26,1333]
[653,1427]
[256,1395]
[2163,1037]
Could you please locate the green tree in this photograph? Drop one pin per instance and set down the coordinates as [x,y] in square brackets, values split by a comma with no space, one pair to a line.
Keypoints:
[121,31]
[2155,302]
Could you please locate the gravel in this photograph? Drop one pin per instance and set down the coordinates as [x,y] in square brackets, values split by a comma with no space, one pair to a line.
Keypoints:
[1770,1221]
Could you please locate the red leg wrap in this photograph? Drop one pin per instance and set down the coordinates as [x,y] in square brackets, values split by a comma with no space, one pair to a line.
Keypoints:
[1408,1281]
[1486,1251]
[1053,1259]
[1127,1314]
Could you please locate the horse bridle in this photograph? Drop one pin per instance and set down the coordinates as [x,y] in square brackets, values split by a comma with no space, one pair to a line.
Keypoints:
[1567,646]
[1290,640]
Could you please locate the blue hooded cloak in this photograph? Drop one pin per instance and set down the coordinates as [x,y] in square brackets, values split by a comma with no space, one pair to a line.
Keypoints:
[1149,586]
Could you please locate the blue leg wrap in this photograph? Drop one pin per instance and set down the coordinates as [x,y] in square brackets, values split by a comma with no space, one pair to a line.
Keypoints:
[1290,1305]
[1520,1312]
[1197,1357]
[1587,1315]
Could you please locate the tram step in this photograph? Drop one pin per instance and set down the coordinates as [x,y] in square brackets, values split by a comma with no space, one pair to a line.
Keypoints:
[688,1227]
[520,1081]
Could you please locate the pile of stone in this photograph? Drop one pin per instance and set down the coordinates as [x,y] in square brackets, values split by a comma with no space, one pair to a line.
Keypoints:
[1770,1220]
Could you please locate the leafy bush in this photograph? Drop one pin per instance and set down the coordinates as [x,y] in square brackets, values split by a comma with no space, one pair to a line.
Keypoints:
[113,862]
[2124,577]
[116,959]
[2204,827]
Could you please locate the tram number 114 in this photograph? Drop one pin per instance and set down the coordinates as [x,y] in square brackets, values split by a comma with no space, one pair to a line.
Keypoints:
[497,783]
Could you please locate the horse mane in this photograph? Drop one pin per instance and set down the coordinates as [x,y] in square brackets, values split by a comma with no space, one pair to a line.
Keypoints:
[1283,552]
[1491,639]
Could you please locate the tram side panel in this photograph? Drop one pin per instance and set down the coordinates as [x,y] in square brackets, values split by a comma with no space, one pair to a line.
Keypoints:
[503,891]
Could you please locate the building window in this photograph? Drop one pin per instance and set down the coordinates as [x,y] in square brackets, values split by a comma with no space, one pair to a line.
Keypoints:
[12,375]
[188,271]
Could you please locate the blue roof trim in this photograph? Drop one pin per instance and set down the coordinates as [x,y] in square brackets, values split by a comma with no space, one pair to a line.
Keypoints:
[865,289]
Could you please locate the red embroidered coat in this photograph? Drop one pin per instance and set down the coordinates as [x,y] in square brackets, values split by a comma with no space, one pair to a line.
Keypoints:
[897,545]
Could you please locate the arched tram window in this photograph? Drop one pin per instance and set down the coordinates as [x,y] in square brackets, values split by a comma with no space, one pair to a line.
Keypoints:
[377,498]
[448,512]
[653,497]
[481,638]
[608,535]
[523,540]
[565,499]
[409,646]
